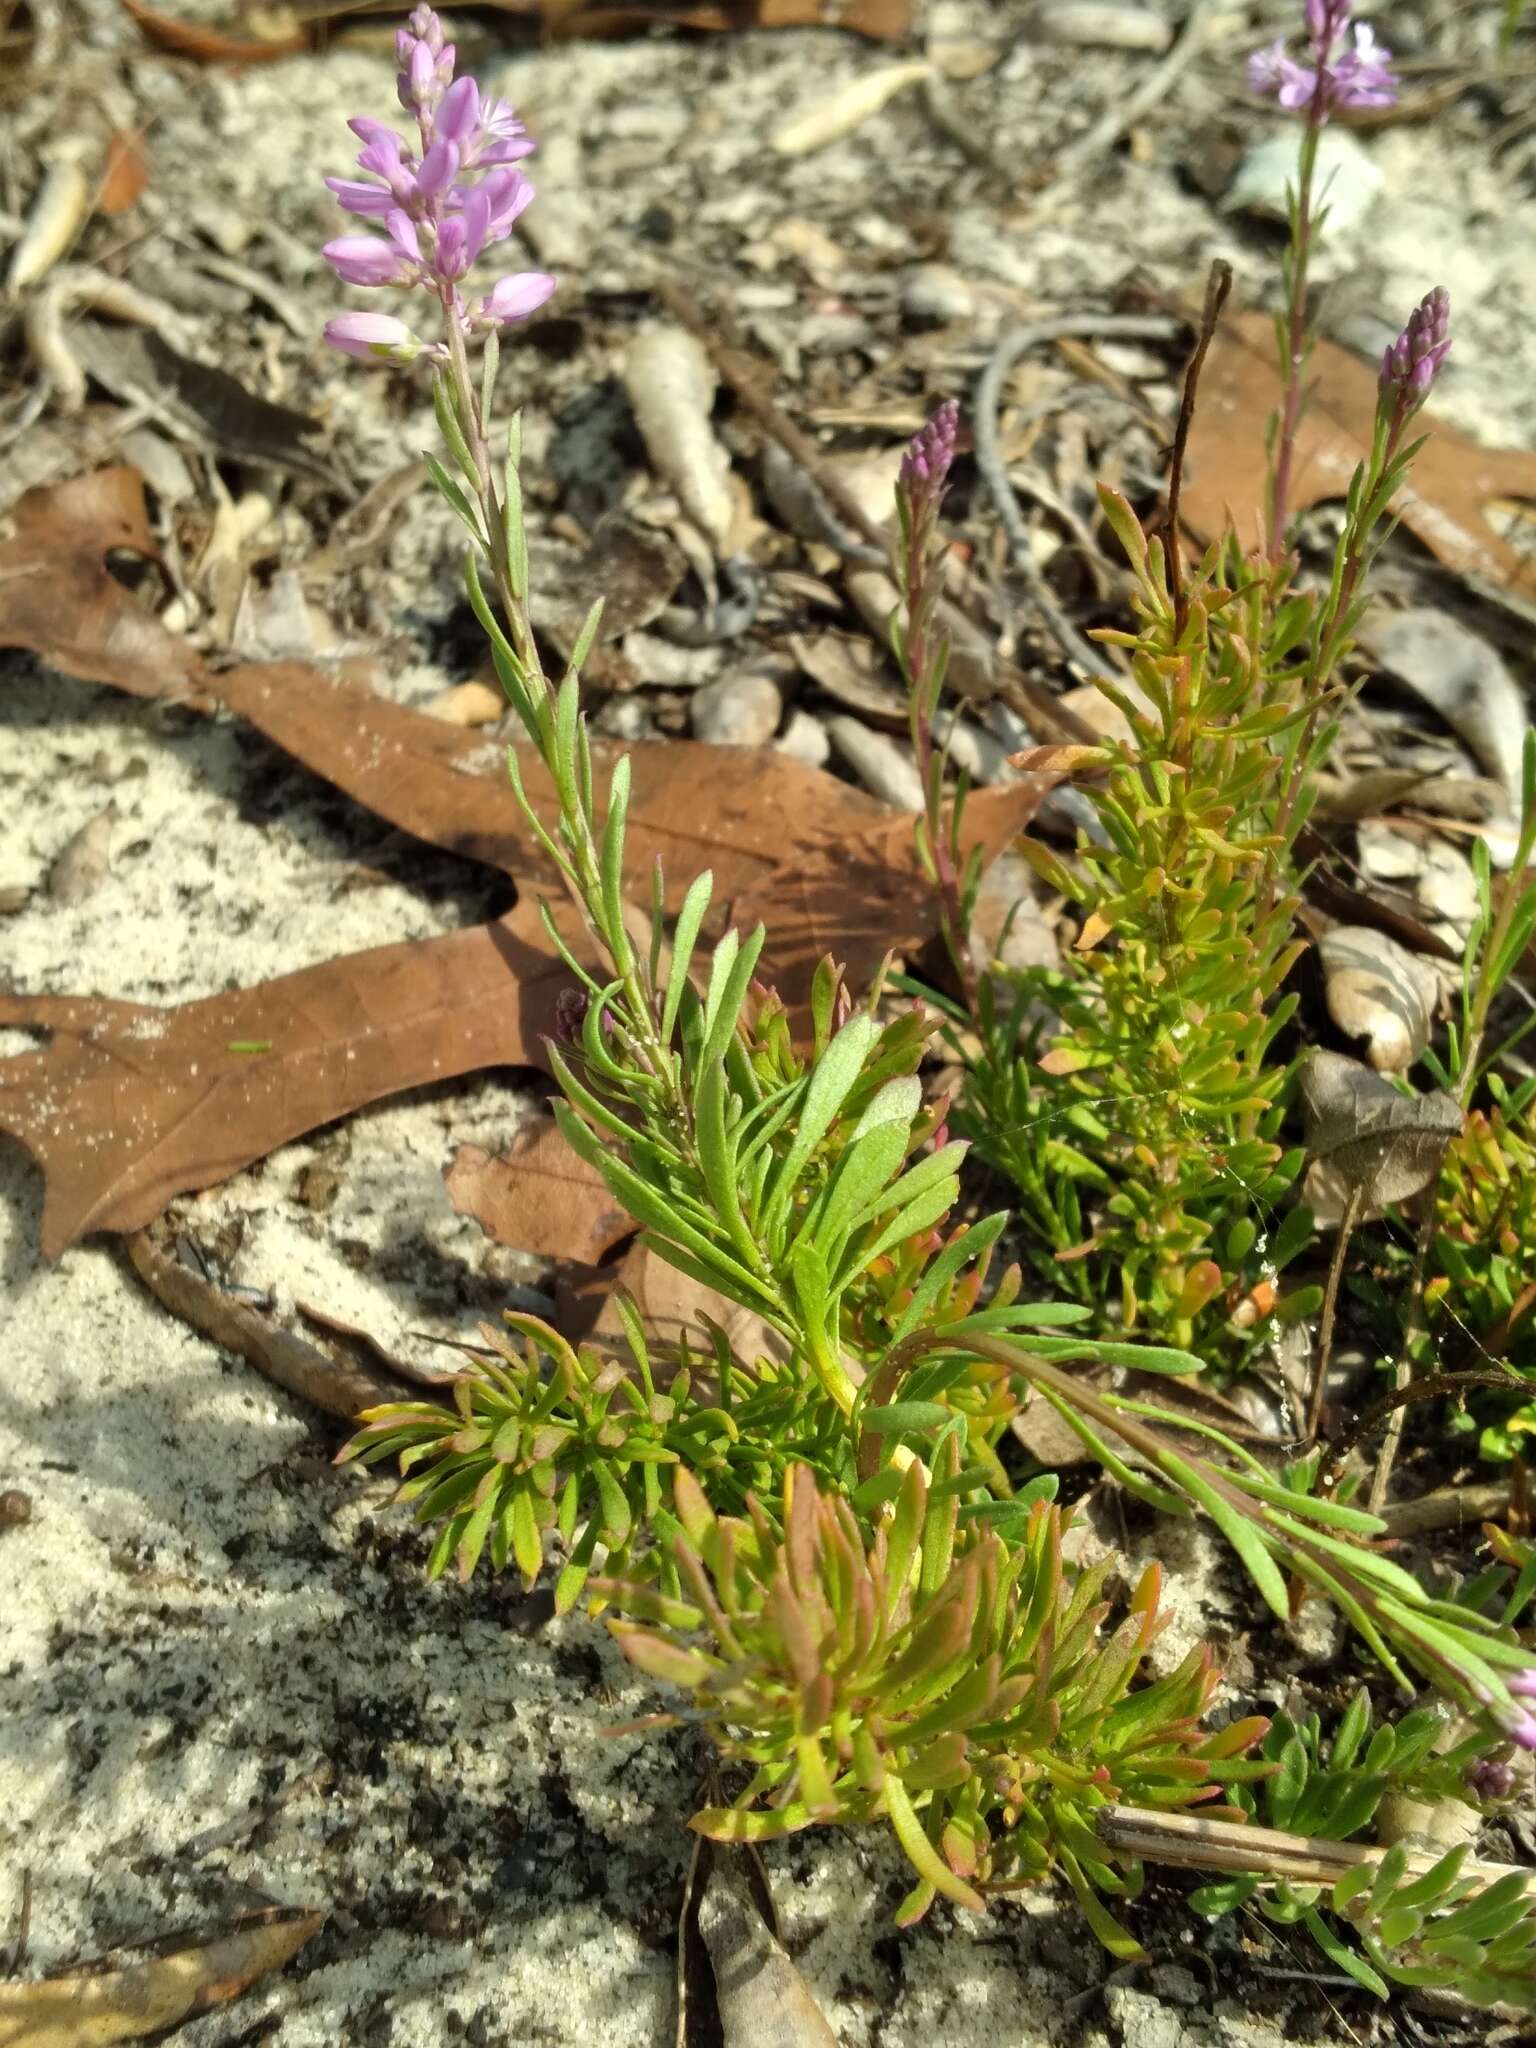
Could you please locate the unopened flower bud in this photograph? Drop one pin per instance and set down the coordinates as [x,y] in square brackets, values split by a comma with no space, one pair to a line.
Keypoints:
[1490,1778]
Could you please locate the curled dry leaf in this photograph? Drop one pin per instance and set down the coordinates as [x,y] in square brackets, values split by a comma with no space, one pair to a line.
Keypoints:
[671,383]
[86,861]
[1379,992]
[539,1197]
[58,598]
[124,174]
[1444,504]
[1385,1146]
[128,2001]
[290,1362]
[1462,677]
[57,215]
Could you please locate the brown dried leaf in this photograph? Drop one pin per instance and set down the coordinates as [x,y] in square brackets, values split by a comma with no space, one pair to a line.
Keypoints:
[210,45]
[882,20]
[1384,1145]
[128,1105]
[127,2001]
[540,1197]
[59,600]
[1444,503]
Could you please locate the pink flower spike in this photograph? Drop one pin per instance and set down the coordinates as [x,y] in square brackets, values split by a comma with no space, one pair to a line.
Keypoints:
[1523,1684]
[1521,1728]
[515,297]
[365,260]
[375,337]
[459,115]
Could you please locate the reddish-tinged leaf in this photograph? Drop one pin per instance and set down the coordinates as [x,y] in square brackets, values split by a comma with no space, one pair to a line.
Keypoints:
[1444,503]
[129,1105]
[59,599]
[540,1197]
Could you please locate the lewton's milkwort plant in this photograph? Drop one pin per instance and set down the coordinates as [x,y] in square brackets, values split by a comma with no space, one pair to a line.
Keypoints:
[825,1548]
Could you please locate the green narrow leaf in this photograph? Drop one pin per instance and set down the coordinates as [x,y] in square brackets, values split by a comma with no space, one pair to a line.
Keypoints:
[1242,1534]
[920,1852]
[1341,1955]
[684,938]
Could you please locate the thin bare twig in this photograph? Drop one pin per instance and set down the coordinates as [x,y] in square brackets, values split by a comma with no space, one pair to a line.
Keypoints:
[1195,1844]
[1151,92]
[1400,1397]
[1449,1507]
[1347,1222]
[1217,286]
[1012,344]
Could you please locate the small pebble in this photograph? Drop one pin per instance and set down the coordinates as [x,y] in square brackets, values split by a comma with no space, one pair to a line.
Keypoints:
[737,711]
[933,295]
[1268,170]
[1099,25]
[805,739]
[885,769]
[15,1508]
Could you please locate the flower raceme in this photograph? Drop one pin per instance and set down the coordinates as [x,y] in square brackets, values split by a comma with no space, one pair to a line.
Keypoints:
[1411,365]
[440,206]
[1333,73]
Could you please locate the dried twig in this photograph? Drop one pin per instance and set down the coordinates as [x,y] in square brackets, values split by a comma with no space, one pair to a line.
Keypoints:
[1013,343]
[1217,286]
[1450,1507]
[1195,1844]
[1427,1389]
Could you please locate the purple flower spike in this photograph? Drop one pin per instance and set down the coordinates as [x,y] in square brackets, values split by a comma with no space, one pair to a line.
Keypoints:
[925,466]
[1521,1728]
[1410,367]
[1523,1684]
[440,204]
[1328,77]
